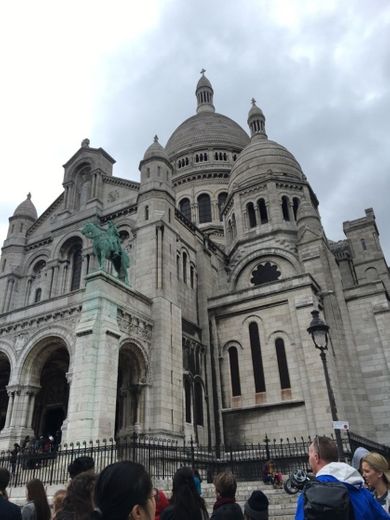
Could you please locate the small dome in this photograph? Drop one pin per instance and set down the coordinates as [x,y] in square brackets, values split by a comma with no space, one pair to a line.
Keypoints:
[203,82]
[206,129]
[156,151]
[263,157]
[26,209]
[255,111]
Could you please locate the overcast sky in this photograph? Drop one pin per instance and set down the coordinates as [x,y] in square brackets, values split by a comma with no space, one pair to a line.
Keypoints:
[118,72]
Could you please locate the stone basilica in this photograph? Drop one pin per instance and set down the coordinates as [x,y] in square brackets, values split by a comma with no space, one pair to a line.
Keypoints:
[209,340]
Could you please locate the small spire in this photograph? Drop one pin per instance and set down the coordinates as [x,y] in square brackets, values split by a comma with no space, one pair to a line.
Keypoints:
[204,94]
[29,196]
[256,120]
[156,138]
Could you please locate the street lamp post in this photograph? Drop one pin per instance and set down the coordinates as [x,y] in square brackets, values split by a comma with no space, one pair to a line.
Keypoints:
[318,330]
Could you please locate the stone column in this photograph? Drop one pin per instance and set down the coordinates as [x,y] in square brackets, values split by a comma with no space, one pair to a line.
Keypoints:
[16,396]
[9,409]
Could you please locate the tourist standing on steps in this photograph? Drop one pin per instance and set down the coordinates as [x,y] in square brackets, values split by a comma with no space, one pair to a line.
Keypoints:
[376,473]
[225,507]
[8,511]
[256,507]
[185,503]
[37,507]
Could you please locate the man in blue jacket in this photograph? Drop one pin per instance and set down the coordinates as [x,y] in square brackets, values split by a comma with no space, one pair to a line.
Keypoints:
[8,511]
[323,461]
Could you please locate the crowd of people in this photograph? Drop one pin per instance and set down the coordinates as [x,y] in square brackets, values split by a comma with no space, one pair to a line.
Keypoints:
[124,491]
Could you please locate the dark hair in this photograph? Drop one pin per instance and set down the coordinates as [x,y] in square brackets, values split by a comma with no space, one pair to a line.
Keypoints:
[37,494]
[80,465]
[78,499]
[4,478]
[121,486]
[225,484]
[185,499]
[326,448]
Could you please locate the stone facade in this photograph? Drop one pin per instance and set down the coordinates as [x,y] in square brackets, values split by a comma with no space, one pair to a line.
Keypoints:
[228,258]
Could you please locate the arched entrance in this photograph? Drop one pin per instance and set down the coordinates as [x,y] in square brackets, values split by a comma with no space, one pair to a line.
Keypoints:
[130,391]
[51,402]
[5,371]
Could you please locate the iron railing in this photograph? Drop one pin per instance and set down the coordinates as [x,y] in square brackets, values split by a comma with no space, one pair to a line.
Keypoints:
[162,457]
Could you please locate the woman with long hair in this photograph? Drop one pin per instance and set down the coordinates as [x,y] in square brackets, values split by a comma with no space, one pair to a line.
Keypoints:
[376,473]
[124,491]
[78,501]
[37,507]
[186,503]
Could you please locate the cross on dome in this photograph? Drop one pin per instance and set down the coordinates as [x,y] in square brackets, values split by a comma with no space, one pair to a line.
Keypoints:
[203,71]
[156,138]
[253,101]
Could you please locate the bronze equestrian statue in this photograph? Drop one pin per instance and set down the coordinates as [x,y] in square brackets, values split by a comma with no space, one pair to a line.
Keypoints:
[107,245]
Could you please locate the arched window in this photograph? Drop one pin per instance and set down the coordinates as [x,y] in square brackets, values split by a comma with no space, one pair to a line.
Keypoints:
[192,276]
[184,267]
[198,412]
[364,245]
[234,372]
[38,295]
[204,208]
[178,266]
[77,261]
[234,225]
[185,208]
[187,397]
[285,209]
[263,211]
[282,364]
[230,230]
[257,361]
[146,212]
[295,207]
[251,214]
[221,203]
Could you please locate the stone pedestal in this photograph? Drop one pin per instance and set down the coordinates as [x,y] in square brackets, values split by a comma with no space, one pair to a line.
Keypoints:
[92,399]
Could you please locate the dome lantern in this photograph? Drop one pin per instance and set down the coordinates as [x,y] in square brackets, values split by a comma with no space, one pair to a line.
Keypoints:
[204,94]
[256,120]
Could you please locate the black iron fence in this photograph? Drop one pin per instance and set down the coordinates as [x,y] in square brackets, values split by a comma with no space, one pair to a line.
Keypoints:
[162,457]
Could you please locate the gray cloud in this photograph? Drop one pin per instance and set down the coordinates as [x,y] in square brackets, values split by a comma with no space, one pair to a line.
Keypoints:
[322,82]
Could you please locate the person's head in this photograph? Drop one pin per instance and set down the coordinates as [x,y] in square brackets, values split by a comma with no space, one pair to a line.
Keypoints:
[80,465]
[357,458]
[36,493]
[322,451]
[58,500]
[225,485]
[256,507]
[124,491]
[4,478]
[186,500]
[375,469]
[79,495]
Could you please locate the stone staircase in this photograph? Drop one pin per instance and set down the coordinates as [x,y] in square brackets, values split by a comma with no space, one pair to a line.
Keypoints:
[282,506]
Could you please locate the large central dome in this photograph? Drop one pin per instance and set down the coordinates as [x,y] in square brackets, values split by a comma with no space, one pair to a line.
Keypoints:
[203,130]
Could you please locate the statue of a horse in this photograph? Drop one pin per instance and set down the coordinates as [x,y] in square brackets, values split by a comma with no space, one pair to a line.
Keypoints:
[106,244]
